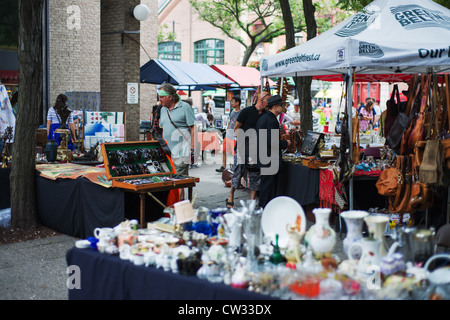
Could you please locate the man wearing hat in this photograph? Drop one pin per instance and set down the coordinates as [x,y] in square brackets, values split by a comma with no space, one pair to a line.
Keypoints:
[245,124]
[269,150]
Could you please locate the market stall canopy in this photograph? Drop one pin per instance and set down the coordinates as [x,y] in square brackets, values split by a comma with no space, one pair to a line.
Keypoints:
[180,73]
[245,77]
[393,37]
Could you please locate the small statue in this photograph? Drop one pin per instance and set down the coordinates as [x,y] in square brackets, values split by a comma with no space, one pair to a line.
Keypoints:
[5,156]
[63,114]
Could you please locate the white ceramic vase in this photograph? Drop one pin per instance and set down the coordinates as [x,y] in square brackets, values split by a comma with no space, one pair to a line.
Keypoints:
[321,237]
[354,220]
[377,226]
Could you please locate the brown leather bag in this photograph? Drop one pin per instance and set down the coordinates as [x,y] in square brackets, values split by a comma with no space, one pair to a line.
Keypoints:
[421,193]
[446,106]
[400,202]
[419,123]
[413,133]
[389,181]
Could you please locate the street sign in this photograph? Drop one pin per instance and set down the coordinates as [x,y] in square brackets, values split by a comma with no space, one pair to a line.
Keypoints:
[133,93]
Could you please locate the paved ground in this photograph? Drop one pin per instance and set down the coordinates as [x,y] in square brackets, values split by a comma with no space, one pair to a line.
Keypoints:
[36,269]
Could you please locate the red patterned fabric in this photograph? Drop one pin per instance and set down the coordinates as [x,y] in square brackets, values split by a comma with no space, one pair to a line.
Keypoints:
[327,191]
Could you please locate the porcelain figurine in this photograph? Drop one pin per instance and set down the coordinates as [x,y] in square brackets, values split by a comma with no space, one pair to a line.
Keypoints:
[354,220]
[321,237]
[293,251]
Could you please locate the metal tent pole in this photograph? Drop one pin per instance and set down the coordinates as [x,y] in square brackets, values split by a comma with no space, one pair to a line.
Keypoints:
[350,118]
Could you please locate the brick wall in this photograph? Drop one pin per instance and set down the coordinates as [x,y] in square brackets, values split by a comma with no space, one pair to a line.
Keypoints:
[86,56]
[74,46]
[149,42]
[120,60]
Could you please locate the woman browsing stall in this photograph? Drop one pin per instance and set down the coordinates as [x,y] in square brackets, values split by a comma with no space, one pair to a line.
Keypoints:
[366,116]
[60,116]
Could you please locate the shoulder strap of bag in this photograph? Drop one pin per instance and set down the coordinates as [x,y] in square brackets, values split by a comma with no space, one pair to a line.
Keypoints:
[176,127]
[447,97]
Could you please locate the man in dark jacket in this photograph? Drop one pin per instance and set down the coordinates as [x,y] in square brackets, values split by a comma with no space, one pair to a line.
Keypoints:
[270,148]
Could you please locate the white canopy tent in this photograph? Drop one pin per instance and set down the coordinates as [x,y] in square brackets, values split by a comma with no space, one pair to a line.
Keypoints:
[388,37]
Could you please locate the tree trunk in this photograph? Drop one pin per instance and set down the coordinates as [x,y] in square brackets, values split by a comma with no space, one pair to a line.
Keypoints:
[23,195]
[288,23]
[304,83]
[248,53]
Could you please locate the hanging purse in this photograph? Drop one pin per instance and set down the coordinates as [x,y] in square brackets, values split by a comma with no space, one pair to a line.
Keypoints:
[430,170]
[405,205]
[392,110]
[414,132]
[389,181]
[338,128]
[421,193]
[446,103]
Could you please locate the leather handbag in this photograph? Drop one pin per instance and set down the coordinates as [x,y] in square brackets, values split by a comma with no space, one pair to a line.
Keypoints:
[430,170]
[394,200]
[392,110]
[389,181]
[403,122]
[446,102]
[421,193]
[414,132]
[400,202]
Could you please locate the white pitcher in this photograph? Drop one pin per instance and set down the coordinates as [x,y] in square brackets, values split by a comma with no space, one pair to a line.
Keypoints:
[370,256]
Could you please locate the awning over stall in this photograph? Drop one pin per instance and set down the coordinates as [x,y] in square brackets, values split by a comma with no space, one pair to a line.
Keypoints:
[182,74]
[244,76]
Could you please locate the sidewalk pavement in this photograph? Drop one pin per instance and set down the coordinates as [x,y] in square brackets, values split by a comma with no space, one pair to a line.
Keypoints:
[37,270]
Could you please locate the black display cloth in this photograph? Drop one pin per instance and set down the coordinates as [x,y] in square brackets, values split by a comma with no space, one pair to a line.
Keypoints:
[299,182]
[5,196]
[77,206]
[106,277]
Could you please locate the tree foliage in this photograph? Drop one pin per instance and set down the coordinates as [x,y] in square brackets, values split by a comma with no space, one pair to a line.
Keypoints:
[259,20]
[9,24]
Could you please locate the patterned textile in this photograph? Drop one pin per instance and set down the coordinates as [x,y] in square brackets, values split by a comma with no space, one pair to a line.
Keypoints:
[7,118]
[73,171]
[83,100]
[327,189]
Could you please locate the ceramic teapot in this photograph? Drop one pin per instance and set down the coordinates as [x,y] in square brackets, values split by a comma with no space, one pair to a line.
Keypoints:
[370,255]
[440,275]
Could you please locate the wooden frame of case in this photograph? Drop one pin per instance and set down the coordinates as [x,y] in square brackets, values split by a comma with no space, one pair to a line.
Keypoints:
[120,181]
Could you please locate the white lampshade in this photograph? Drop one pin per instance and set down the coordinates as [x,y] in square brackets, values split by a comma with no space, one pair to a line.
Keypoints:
[141,12]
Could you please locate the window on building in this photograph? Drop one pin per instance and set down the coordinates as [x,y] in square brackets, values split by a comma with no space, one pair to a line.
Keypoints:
[210,51]
[169,50]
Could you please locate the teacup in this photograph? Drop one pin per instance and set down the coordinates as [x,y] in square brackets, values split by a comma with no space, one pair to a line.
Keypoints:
[100,233]
[102,245]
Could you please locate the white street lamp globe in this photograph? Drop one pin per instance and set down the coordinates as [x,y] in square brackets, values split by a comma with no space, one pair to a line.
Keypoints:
[141,12]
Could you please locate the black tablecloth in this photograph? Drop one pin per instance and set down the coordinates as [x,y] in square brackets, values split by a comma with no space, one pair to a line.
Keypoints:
[299,182]
[77,206]
[106,277]
[5,197]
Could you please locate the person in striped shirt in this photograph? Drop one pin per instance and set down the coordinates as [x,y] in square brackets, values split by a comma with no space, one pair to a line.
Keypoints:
[54,122]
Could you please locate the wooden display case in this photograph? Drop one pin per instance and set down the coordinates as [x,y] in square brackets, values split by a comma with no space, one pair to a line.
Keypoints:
[131,166]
